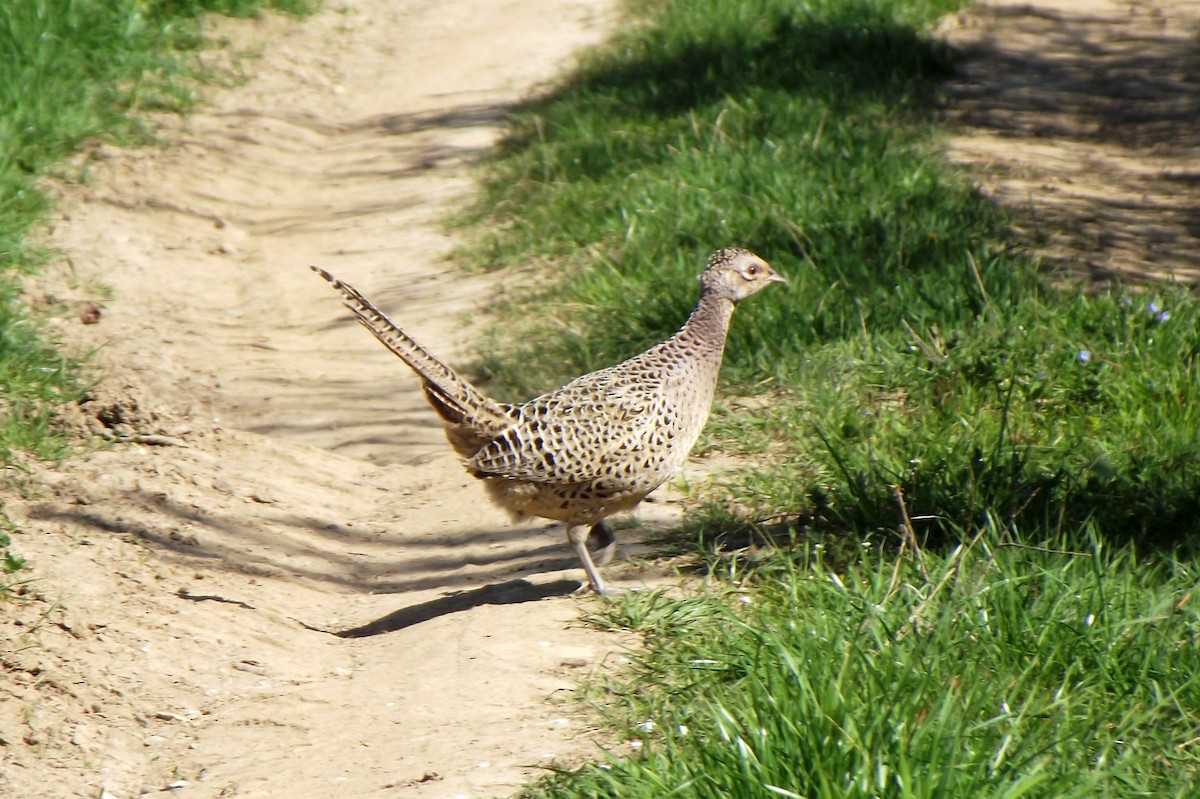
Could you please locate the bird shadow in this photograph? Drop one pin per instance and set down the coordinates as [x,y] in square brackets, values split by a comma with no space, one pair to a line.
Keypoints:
[512,592]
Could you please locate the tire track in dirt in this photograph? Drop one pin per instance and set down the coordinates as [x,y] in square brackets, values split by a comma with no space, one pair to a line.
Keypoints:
[178,630]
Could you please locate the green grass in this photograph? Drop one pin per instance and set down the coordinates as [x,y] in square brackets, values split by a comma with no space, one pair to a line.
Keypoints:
[10,562]
[924,385]
[916,347]
[37,379]
[999,672]
[73,71]
[802,134]
[1049,414]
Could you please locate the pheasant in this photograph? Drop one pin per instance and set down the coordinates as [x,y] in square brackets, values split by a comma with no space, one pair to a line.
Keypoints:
[601,443]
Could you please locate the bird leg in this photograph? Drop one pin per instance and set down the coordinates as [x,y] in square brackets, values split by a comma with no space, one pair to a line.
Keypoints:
[602,544]
[578,536]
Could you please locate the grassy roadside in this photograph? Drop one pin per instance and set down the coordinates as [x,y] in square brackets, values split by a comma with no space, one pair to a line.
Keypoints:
[73,71]
[924,383]
[915,346]
[996,672]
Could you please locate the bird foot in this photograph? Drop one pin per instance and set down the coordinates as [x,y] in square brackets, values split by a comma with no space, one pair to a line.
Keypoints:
[602,544]
[604,592]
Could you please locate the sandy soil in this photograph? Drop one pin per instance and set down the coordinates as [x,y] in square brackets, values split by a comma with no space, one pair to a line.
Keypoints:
[310,598]
[1083,114]
[179,632]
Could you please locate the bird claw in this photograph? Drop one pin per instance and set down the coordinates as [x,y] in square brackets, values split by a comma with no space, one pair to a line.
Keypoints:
[602,544]
[606,592]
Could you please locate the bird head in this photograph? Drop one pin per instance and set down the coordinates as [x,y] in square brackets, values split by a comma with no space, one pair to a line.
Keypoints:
[736,273]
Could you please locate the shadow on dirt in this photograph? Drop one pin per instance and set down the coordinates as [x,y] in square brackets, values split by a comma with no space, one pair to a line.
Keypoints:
[292,547]
[508,593]
[1100,115]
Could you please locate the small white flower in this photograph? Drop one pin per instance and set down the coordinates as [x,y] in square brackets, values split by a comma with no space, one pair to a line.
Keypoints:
[635,745]
[646,726]
[1084,356]
[683,730]
[1091,617]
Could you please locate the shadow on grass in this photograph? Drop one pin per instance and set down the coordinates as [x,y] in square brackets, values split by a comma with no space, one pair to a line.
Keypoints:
[857,54]
[860,52]
[1158,511]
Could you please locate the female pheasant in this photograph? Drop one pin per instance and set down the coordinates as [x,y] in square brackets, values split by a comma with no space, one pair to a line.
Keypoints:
[602,442]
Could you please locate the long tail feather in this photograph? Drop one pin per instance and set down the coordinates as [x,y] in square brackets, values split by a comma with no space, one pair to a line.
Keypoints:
[454,399]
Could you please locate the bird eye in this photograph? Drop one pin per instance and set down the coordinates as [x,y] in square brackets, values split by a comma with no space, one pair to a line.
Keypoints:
[752,270]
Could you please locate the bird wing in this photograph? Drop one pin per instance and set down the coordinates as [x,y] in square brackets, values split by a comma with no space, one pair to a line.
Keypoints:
[606,429]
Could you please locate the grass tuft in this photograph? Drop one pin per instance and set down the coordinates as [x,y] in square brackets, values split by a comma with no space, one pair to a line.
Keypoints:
[37,379]
[996,672]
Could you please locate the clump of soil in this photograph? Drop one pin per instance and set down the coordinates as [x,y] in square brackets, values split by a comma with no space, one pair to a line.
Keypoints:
[120,412]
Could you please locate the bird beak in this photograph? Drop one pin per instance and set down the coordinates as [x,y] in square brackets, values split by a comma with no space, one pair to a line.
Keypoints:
[777,278]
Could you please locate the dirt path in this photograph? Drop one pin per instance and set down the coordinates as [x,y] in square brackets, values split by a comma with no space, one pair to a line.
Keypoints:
[175,635]
[1086,114]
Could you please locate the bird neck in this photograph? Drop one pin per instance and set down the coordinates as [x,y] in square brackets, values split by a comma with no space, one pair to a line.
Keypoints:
[708,325]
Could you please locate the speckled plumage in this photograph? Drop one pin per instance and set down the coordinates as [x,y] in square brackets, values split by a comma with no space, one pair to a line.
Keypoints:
[601,443]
